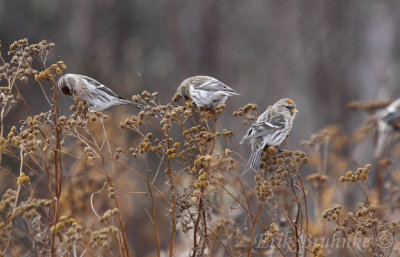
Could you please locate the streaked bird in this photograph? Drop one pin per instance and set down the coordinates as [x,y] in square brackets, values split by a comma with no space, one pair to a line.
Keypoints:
[95,94]
[205,91]
[270,129]
[388,122]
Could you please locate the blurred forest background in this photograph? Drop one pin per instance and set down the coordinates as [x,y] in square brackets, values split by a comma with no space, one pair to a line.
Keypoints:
[321,54]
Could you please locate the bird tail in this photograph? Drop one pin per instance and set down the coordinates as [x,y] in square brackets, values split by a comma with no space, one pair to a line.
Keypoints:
[137,105]
[254,160]
[243,139]
[392,117]
[140,106]
[382,141]
[230,93]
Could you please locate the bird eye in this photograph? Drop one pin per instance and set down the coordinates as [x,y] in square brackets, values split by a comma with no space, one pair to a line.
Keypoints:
[289,107]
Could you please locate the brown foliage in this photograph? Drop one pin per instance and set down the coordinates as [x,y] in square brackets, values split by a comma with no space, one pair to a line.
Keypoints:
[88,185]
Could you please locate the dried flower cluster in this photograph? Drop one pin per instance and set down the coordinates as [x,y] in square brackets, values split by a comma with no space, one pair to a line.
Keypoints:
[361,174]
[85,183]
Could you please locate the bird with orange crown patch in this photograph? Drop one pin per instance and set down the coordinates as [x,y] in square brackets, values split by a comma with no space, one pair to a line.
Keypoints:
[270,129]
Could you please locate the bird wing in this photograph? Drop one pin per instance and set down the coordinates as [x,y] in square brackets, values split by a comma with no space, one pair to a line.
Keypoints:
[99,86]
[212,84]
[263,127]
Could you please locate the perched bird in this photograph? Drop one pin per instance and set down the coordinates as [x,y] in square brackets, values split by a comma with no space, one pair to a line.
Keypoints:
[205,91]
[388,121]
[270,129]
[95,94]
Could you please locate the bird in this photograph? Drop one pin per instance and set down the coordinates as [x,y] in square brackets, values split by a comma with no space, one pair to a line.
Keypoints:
[270,129]
[205,91]
[388,122]
[96,95]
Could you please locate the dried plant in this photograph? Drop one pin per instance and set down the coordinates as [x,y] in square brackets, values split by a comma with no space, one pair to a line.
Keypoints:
[166,182]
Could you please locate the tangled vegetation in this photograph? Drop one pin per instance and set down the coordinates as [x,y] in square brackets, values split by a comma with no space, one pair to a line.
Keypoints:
[164,182]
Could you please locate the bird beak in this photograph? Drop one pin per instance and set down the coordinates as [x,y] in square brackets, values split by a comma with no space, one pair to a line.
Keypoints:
[176,97]
[294,110]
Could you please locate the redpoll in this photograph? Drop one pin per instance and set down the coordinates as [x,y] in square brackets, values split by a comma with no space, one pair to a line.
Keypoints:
[95,94]
[388,121]
[205,91]
[270,129]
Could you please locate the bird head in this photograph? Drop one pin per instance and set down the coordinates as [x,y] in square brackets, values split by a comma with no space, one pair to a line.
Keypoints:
[286,106]
[65,84]
[183,89]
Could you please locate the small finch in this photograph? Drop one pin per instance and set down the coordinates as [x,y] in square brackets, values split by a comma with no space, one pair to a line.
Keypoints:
[388,121]
[95,94]
[270,129]
[205,91]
